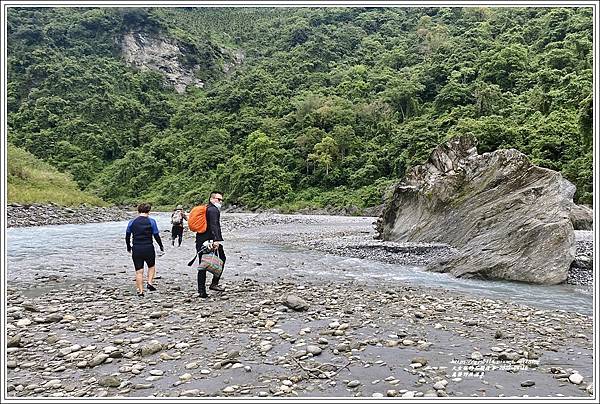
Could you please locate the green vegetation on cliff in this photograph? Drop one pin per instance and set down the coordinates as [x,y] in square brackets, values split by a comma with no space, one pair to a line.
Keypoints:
[328,106]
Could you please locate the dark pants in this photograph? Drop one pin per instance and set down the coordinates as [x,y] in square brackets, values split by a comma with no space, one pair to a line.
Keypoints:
[176,232]
[202,273]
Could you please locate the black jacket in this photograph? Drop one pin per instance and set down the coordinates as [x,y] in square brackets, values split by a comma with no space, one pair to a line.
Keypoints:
[213,226]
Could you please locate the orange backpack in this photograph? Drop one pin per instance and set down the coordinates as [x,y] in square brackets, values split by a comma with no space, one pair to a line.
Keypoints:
[197,219]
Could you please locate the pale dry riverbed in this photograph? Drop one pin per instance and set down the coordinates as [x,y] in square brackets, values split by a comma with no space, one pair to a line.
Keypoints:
[356,327]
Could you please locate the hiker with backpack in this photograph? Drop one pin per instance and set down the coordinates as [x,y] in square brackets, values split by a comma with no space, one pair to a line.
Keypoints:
[177,218]
[205,220]
[143,228]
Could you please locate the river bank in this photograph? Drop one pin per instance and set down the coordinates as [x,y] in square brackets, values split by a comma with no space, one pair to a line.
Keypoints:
[282,330]
[42,215]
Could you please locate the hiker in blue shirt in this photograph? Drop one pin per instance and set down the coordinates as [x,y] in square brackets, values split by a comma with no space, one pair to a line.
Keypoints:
[143,228]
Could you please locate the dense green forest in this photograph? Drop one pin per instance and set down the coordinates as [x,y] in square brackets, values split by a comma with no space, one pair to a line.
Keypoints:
[328,107]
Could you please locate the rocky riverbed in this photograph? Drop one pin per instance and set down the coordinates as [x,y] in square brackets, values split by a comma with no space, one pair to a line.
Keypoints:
[287,335]
[284,339]
[43,215]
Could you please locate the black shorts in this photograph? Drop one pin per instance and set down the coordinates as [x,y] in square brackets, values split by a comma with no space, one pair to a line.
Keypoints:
[143,254]
[176,231]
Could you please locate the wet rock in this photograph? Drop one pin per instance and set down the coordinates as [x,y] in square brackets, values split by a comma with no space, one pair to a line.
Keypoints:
[527,383]
[353,383]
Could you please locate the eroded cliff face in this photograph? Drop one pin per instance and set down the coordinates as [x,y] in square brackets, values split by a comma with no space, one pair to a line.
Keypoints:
[509,219]
[153,52]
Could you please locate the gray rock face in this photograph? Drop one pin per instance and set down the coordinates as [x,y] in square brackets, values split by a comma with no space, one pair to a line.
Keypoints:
[150,52]
[582,217]
[508,218]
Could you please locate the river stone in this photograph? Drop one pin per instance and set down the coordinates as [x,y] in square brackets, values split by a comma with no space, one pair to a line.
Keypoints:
[190,393]
[296,303]
[54,318]
[508,218]
[97,360]
[353,383]
[185,377]
[30,306]
[527,383]
[576,378]
[14,341]
[109,381]
[419,359]
[313,349]
[476,356]
[68,318]
[439,386]
[151,348]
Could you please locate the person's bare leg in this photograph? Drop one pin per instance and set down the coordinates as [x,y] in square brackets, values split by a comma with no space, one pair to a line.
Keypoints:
[151,272]
[139,280]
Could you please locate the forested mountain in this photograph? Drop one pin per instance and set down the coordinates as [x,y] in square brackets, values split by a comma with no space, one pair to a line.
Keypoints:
[296,107]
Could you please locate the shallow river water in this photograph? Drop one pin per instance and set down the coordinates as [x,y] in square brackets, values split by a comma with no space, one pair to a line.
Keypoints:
[96,252]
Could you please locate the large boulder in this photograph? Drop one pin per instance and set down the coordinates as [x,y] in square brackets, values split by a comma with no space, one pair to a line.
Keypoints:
[509,218]
[582,217]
